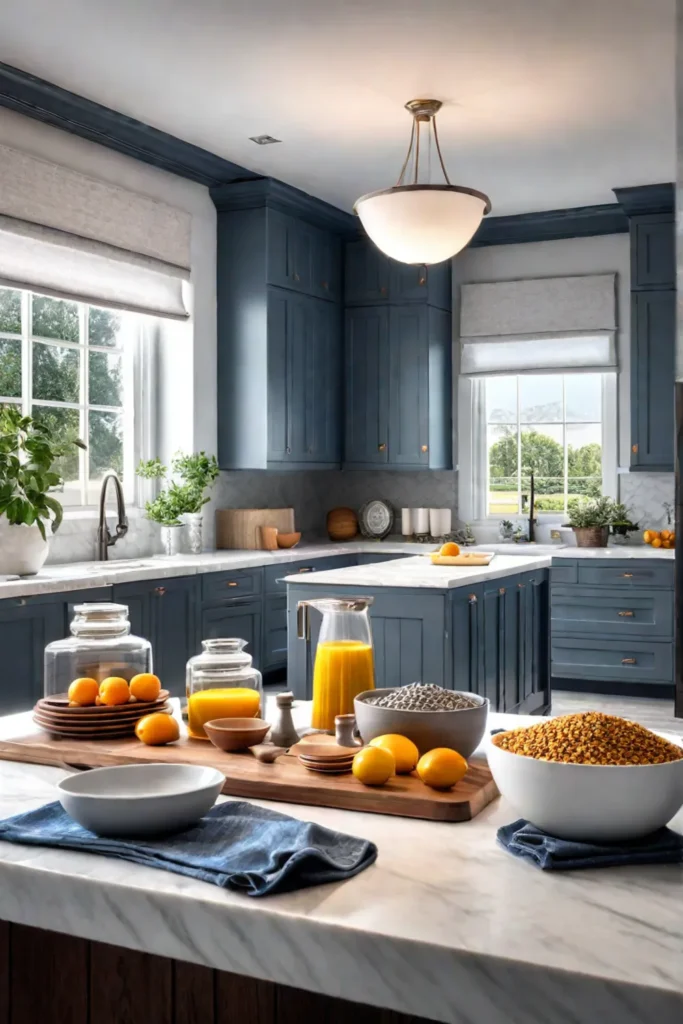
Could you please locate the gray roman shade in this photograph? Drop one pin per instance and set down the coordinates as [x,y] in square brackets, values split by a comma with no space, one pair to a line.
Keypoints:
[540,325]
[71,236]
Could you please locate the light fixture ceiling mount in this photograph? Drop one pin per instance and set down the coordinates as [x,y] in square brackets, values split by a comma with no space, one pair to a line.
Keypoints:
[421,222]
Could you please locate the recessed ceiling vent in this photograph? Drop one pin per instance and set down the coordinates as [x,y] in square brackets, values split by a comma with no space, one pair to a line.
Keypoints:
[263,140]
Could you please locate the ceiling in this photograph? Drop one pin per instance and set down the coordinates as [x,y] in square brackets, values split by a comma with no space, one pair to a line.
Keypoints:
[547,103]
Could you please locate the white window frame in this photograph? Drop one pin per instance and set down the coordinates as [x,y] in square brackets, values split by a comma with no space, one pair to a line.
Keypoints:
[138,350]
[473,451]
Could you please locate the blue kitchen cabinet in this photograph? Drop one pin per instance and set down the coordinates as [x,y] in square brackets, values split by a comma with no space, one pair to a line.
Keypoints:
[653,257]
[373,278]
[166,612]
[398,388]
[653,348]
[302,257]
[304,380]
[27,625]
[274,654]
[241,618]
[467,636]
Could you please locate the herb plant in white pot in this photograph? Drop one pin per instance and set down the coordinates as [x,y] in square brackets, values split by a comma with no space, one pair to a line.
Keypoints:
[28,512]
[180,505]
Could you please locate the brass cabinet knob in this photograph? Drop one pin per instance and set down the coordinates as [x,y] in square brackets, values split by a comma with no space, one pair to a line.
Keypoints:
[381,447]
[627,575]
[473,598]
[231,583]
[422,281]
[628,661]
[424,448]
[634,449]
[501,590]
[626,615]
[521,586]
[160,591]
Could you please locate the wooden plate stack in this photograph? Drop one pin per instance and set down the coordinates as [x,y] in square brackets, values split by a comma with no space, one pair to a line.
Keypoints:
[95,722]
[328,758]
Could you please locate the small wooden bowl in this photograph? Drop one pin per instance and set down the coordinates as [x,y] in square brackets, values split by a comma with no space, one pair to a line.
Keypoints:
[231,734]
[288,540]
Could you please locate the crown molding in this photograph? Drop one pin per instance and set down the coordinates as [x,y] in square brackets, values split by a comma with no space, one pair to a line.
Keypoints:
[276,195]
[53,105]
[549,225]
[639,199]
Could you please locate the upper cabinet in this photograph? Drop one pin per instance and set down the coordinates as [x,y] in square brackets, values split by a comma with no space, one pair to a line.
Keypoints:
[371,277]
[653,259]
[302,257]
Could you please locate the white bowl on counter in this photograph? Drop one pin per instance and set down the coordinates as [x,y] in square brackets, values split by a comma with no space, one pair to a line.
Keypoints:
[140,799]
[587,802]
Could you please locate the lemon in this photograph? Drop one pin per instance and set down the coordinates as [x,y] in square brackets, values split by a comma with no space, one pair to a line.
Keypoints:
[404,751]
[441,768]
[373,766]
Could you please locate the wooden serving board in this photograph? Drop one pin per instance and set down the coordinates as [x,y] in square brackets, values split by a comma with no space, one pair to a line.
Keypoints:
[240,528]
[286,779]
[464,558]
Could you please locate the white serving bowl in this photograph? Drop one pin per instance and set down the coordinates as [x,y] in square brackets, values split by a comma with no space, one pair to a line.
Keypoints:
[598,803]
[140,799]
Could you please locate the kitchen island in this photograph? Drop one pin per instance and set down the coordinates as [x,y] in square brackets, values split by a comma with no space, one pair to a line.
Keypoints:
[446,926]
[478,628]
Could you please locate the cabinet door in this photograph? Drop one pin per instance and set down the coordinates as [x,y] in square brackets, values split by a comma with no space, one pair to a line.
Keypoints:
[138,597]
[290,252]
[275,633]
[26,627]
[367,387]
[408,386]
[536,678]
[367,274]
[175,607]
[238,619]
[411,283]
[653,342]
[493,635]
[467,640]
[653,259]
[326,265]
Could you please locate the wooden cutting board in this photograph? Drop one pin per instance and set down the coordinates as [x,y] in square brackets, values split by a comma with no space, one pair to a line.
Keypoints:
[286,779]
[240,528]
[464,558]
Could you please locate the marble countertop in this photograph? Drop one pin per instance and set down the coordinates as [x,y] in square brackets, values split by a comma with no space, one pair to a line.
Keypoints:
[418,572]
[445,925]
[618,552]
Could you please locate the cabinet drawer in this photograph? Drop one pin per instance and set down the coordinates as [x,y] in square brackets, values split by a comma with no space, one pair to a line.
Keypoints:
[223,586]
[621,611]
[564,573]
[637,573]
[636,661]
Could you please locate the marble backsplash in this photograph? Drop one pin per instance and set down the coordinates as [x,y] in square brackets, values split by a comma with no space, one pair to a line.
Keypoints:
[645,495]
[76,540]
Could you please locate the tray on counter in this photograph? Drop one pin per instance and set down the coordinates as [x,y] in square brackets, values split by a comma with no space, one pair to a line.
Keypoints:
[464,558]
[286,779]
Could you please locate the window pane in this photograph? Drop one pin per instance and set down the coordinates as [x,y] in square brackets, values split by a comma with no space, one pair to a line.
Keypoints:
[503,498]
[540,399]
[105,441]
[105,378]
[502,448]
[10,368]
[55,373]
[501,400]
[548,494]
[583,395]
[10,311]
[542,450]
[584,459]
[64,425]
[53,318]
[103,326]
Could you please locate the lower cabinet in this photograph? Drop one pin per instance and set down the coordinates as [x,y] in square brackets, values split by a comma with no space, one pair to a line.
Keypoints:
[239,618]
[26,626]
[275,633]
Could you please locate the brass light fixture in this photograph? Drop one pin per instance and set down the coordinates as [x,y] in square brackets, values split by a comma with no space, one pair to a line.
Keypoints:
[422,223]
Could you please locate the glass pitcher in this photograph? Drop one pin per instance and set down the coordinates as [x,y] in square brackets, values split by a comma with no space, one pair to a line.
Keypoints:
[344,662]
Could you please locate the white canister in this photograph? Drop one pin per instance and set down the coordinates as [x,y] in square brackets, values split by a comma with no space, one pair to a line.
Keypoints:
[439,521]
[420,517]
[407,522]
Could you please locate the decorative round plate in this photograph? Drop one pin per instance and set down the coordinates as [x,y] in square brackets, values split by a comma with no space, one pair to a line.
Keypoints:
[376,519]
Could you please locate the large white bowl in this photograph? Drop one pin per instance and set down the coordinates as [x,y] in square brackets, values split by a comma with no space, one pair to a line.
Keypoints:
[599,803]
[140,799]
[462,730]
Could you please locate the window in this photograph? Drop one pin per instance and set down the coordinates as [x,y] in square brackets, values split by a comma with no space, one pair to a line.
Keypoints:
[72,366]
[551,425]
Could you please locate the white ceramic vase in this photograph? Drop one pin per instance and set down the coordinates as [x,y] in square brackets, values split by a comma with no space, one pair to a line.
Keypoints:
[194,525]
[22,549]
[172,539]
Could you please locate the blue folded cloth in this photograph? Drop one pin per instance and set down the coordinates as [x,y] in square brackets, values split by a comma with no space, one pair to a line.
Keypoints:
[236,846]
[552,854]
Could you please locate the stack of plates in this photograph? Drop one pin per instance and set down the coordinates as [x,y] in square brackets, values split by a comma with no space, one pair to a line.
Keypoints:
[329,759]
[55,716]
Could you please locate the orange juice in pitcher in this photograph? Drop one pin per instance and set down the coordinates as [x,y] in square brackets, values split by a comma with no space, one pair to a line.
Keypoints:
[344,662]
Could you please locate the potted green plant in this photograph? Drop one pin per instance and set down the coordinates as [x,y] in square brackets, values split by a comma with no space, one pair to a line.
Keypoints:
[28,452]
[181,503]
[591,519]
[622,524]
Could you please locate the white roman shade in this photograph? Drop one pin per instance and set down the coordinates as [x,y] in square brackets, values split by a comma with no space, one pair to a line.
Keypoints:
[541,325]
[71,236]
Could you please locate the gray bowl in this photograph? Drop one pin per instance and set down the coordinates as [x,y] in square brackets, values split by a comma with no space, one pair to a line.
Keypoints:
[460,730]
[140,799]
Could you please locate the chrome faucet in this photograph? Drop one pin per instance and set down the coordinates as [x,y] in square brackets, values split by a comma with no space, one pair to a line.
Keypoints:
[105,540]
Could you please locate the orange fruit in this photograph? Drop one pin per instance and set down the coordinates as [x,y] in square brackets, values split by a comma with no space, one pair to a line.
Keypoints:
[441,768]
[665,534]
[157,729]
[656,542]
[373,766]
[650,535]
[450,548]
[667,543]
[672,536]
[404,751]
[114,690]
[83,691]
[145,686]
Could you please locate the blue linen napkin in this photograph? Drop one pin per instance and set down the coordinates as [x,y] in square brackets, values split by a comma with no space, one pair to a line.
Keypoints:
[552,854]
[236,845]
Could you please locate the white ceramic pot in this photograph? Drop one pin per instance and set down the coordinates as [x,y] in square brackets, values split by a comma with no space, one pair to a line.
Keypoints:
[22,549]
[193,526]
[172,539]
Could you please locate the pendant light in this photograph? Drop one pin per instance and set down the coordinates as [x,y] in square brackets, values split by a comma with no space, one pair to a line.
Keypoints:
[422,223]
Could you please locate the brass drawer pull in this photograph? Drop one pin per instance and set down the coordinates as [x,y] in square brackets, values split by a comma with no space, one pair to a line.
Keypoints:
[381,447]
[232,583]
[306,568]
[626,615]
[160,591]
[627,575]
[628,661]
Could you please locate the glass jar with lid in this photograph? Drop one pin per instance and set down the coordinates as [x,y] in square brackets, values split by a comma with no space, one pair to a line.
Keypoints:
[101,645]
[222,683]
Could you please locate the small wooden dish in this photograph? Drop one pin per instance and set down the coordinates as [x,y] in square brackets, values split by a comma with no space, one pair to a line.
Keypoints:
[269,538]
[230,734]
[288,540]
